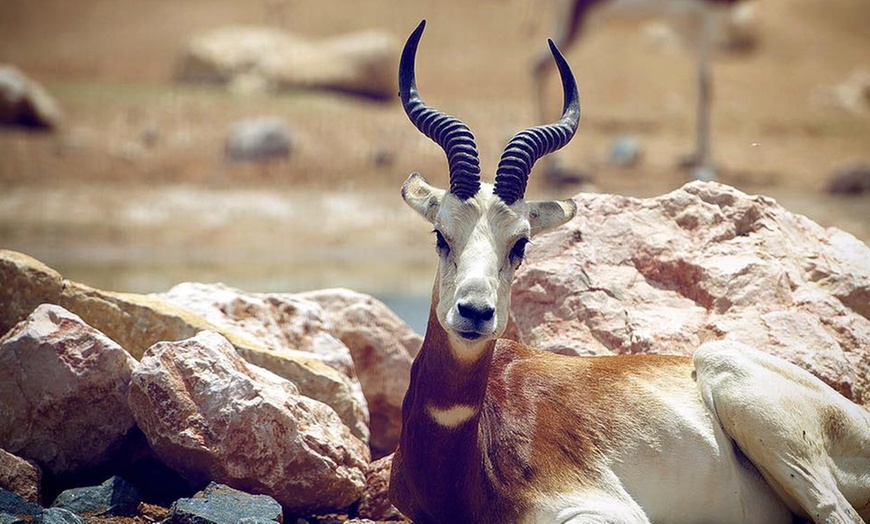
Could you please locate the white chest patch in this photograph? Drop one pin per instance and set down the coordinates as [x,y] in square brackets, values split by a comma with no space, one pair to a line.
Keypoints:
[453,416]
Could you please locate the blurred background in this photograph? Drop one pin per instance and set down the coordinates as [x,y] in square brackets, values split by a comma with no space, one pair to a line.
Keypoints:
[259,143]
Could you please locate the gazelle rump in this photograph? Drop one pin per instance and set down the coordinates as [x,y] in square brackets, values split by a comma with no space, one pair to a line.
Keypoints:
[494,431]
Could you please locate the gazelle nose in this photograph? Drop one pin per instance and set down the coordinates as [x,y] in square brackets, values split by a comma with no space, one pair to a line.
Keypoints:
[475,312]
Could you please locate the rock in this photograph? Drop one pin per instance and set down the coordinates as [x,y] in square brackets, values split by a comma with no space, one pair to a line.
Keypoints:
[20,476]
[63,392]
[284,323]
[259,140]
[115,497]
[219,504]
[382,346]
[626,151]
[12,504]
[23,102]
[57,516]
[359,63]
[705,262]
[210,415]
[375,503]
[138,321]
[851,179]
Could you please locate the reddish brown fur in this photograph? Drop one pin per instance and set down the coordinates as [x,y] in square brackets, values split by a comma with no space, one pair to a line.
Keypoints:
[542,425]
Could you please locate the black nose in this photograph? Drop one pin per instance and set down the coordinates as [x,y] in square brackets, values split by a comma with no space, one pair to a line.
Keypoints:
[474,312]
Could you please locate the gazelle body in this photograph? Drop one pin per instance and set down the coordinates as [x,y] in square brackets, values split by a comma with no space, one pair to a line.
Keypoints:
[494,431]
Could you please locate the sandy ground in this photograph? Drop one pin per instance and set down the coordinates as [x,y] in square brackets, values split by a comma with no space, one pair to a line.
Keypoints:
[105,205]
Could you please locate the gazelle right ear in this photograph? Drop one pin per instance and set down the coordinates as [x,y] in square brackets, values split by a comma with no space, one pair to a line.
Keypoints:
[422,197]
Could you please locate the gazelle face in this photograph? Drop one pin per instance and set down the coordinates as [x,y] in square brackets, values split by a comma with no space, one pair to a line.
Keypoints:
[480,243]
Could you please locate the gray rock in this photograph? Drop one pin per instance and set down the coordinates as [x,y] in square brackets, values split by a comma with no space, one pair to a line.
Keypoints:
[57,516]
[850,179]
[259,140]
[626,151]
[115,496]
[220,504]
[6,518]
[15,505]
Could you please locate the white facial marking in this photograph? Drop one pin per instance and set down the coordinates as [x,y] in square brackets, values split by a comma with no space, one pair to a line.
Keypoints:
[477,237]
[453,416]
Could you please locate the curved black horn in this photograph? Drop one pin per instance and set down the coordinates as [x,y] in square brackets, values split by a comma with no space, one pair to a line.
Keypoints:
[450,133]
[527,146]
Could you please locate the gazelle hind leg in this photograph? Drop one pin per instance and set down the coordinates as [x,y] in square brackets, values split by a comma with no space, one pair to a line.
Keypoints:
[809,442]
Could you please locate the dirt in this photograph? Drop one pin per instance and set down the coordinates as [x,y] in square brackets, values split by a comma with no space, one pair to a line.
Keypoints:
[133,193]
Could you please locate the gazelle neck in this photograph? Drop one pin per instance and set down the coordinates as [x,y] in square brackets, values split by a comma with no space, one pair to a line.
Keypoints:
[441,439]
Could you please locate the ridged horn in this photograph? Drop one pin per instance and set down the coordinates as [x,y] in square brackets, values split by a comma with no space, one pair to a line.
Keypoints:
[449,132]
[527,146]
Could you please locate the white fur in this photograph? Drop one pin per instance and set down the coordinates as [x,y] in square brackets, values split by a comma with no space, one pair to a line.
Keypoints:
[453,416]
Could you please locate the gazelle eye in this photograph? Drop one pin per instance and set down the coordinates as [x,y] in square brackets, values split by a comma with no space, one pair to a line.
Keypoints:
[519,250]
[441,243]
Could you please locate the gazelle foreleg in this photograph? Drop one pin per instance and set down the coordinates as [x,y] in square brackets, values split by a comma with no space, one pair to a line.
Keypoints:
[811,444]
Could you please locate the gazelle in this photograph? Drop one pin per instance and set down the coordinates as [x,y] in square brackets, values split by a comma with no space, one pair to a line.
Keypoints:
[571,17]
[494,431]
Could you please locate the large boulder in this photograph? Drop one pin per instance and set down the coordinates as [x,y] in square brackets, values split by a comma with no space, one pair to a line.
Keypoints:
[382,346]
[352,332]
[705,262]
[136,322]
[211,416]
[281,322]
[267,58]
[63,392]
[24,102]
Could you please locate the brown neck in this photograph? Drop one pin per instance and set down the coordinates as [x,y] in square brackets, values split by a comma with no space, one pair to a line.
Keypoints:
[441,462]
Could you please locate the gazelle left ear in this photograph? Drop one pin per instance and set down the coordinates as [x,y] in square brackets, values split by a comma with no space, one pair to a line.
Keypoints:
[546,215]
[422,197]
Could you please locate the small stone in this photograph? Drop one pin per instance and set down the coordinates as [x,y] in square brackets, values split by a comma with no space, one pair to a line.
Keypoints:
[219,504]
[13,504]
[853,179]
[259,140]
[57,516]
[115,496]
[626,151]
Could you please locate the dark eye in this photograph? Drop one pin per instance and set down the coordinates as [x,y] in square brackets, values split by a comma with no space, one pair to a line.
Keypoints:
[441,243]
[519,250]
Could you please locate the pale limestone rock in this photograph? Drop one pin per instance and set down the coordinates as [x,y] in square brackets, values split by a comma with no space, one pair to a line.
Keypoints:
[382,346]
[361,63]
[282,323]
[210,415]
[138,321]
[63,392]
[705,262]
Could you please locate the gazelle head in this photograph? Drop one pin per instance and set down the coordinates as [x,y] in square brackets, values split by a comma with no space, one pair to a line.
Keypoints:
[482,229]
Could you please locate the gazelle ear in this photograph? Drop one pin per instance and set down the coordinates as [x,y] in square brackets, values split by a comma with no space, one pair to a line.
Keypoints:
[422,197]
[544,216]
